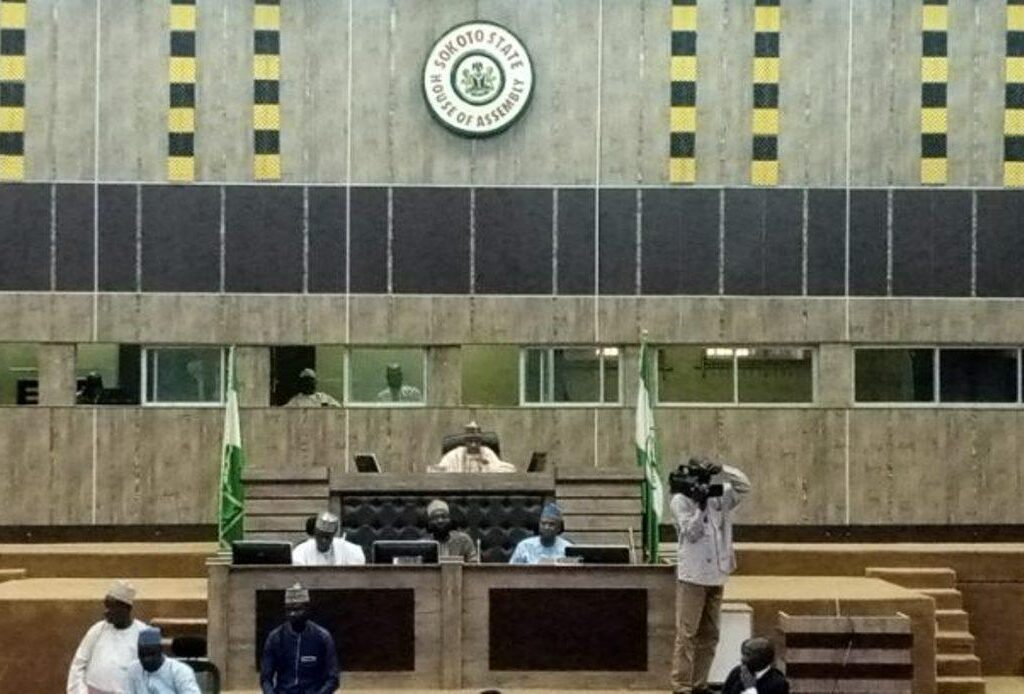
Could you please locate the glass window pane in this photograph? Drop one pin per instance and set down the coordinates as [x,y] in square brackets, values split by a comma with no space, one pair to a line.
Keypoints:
[775,374]
[695,374]
[535,378]
[106,374]
[330,371]
[381,375]
[611,374]
[894,375]
[19,374]
[184,374]
[490,375]
[978,375]
[576,375]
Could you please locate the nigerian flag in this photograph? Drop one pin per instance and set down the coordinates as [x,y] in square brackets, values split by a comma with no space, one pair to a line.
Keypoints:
[647,453]
[231,511]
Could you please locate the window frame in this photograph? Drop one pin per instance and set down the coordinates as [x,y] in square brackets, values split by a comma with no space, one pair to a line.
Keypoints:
[549,351]
[735,402]
[348,401]
[144,377]
[936,402]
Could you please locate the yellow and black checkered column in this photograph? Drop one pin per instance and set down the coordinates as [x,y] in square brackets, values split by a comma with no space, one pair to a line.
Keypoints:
[181,118]
[764,169]
[12,89]
[682,162]
[1013,119]
[934,80]
[266,69]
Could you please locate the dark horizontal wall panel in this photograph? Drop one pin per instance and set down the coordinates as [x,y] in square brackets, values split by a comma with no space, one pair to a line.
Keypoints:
[513,240]
[931,253]
[327,240]
[431,240]
[1000,242]
[617,238]
[783,242]
[826,242]
[869,246]
[576,233]
[180,238]
[744,240]
[263,250]
[75,237]
[368,240]
[24,237]
[680,241]
[117,238]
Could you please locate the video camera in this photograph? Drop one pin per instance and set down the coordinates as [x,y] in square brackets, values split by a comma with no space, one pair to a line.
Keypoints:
[692,479]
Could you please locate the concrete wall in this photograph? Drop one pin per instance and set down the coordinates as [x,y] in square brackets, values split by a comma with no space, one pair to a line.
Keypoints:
[849,84]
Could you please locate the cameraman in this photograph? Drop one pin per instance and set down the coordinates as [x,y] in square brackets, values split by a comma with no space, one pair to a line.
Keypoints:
[704,494]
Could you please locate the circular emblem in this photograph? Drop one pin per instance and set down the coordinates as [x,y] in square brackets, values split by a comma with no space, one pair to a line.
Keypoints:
[478,79]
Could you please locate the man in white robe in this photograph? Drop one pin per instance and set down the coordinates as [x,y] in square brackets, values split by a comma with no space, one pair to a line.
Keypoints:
[100,665]
[325,548]
[473,456]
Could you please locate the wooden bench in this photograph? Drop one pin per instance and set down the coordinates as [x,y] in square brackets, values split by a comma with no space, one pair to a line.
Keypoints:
[278,502]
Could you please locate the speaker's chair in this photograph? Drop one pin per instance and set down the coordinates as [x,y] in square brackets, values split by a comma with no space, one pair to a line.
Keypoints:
[487,438]
[498,522]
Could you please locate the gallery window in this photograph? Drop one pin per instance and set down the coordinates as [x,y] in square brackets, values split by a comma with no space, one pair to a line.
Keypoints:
[19,374]
[690,374]
[183,375]
[937,375]
[564,375]
[107,374]
[387,377]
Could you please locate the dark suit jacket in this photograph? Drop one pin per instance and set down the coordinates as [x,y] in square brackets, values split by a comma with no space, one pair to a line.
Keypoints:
[773,682]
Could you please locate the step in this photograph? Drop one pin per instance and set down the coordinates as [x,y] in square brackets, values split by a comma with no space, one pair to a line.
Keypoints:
[951,620]
[945,598]
[180,626]
[958,665]
[954,642]
[960,685]
[914,577]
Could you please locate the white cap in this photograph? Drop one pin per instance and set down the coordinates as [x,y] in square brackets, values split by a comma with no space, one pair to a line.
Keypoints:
[122,592]
[296,595]
[327,523]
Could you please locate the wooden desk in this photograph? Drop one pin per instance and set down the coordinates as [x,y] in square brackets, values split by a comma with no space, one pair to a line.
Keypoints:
[487,625]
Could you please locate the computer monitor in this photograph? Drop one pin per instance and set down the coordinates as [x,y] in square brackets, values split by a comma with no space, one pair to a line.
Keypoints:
[367,462]
[405,552]
[599,554]
[260,552]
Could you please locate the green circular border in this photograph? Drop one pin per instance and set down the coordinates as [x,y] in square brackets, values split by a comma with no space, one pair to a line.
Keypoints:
[468,134]
[500,69]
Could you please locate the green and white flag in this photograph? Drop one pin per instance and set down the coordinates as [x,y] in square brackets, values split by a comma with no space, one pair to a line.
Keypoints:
[231,511]
[647,453]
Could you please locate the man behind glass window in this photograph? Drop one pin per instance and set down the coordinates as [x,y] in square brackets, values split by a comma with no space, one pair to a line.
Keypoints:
[704,496]
[472,455]
[396,390]
[308,395]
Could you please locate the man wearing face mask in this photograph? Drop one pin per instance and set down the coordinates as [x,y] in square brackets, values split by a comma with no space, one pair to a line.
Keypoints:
[453,543]
[101,662]
[325,549]
[308,395]
[299,655]
[755,674]
[155,673]
[547,545]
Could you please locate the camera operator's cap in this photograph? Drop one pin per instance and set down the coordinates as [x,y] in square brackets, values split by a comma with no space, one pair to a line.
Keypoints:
[307,373]
[296,595]
[437,505]
[551,510]
[327,523]
[122,592]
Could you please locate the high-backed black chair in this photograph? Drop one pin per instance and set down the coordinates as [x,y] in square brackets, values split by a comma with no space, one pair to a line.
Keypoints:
[488,438]
[191,650]
[499,522]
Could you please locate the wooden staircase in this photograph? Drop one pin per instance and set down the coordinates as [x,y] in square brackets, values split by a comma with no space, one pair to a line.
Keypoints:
[958,669]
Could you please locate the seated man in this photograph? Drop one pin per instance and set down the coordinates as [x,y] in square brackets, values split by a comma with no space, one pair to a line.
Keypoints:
[453,543]
[325,549]
[308,395]
[110,646]
[154,673]
[298,656]
[546,546]
[755,674]
[473,456]
[396,390]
